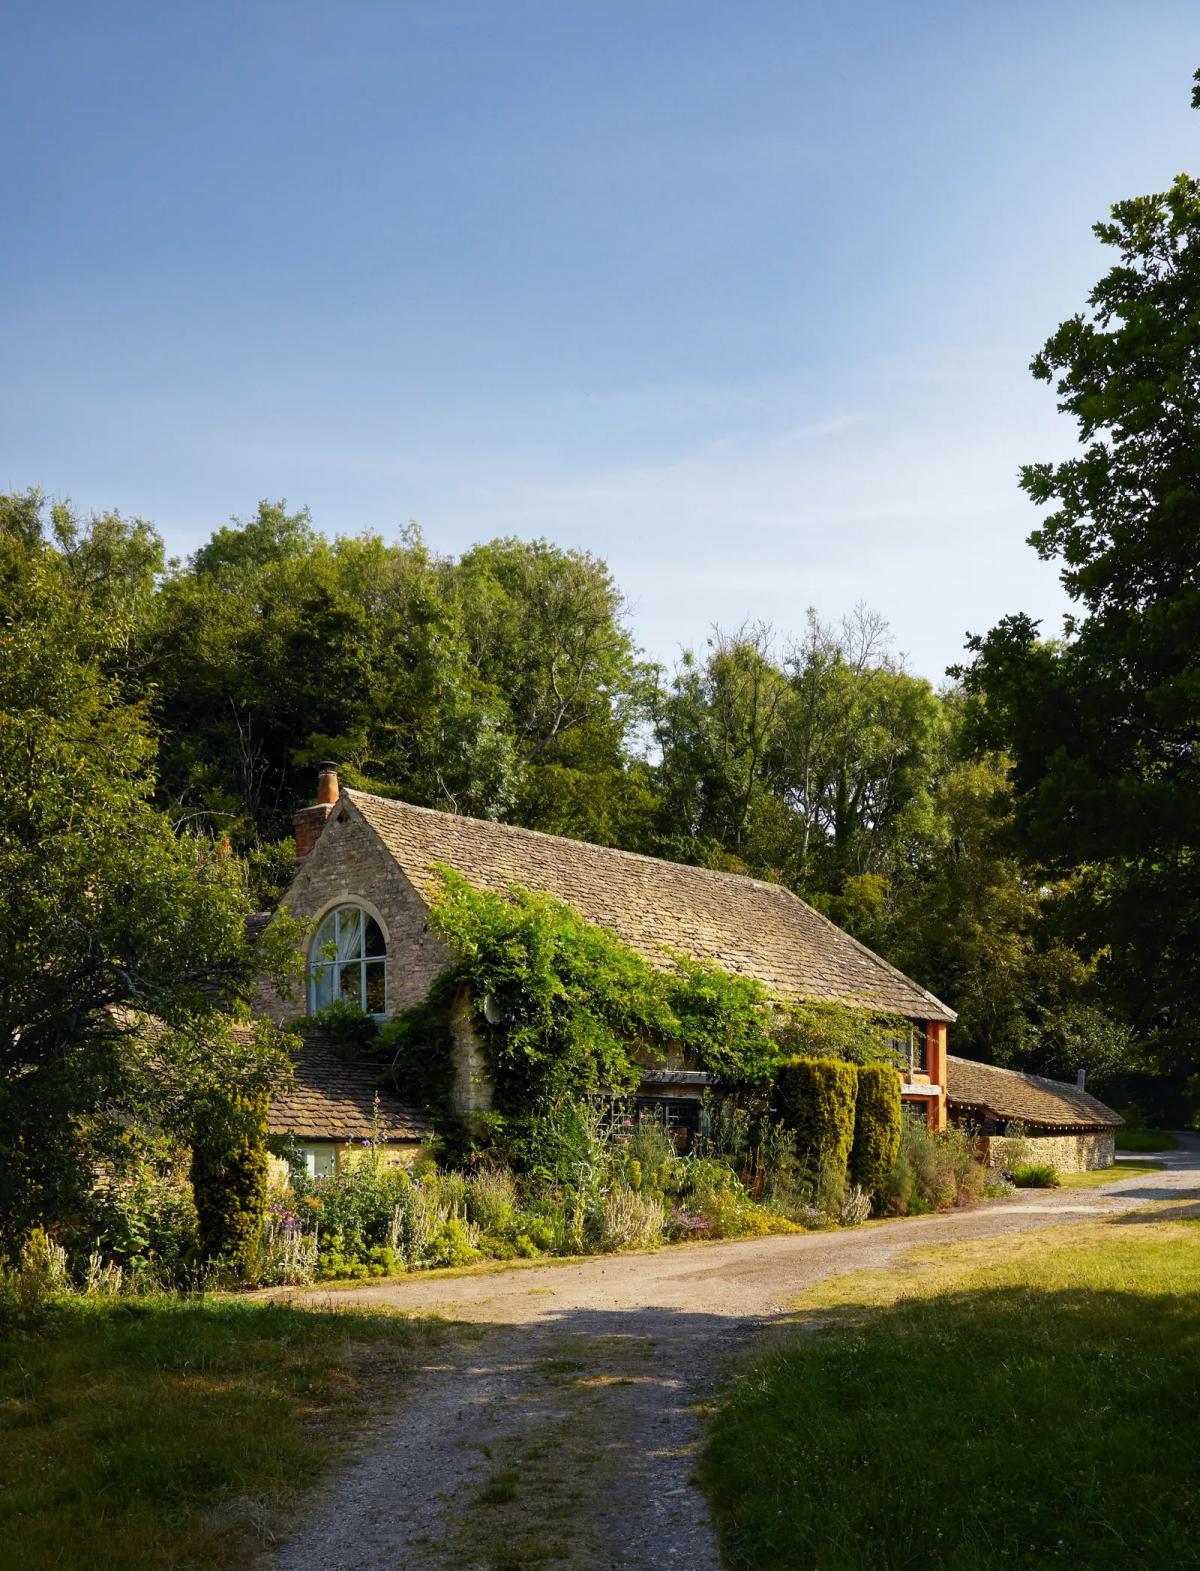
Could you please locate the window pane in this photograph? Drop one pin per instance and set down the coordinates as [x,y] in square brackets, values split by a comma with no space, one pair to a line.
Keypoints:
[324,945]
[349,932]
[375,987]
[350,983]
[322,986]
[374,939]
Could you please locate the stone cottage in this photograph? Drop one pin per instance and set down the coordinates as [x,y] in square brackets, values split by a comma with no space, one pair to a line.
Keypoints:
[1063,1124]
[367,877]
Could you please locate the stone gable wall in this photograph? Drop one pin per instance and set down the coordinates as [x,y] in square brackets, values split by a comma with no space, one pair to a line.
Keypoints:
[348,865]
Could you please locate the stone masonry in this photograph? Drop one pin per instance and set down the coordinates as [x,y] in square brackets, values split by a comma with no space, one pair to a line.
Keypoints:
[348,865]
[1070,1152]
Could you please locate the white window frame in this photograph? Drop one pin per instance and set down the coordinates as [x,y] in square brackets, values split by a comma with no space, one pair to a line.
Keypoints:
[335,966]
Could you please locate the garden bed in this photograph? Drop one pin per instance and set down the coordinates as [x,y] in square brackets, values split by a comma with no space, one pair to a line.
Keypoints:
[593,1190]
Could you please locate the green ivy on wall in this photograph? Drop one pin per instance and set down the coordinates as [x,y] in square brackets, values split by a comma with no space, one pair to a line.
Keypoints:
[564,1007]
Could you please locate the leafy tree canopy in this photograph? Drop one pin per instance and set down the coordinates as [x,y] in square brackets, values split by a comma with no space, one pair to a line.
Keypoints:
[502,684]
[108,914]
[1102,727]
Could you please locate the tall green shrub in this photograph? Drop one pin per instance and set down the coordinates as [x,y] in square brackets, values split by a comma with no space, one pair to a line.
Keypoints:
[229,1176]
[815,1097]
[877,1118]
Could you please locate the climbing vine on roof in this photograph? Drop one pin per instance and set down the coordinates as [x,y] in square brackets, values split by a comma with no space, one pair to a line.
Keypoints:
[564,1007]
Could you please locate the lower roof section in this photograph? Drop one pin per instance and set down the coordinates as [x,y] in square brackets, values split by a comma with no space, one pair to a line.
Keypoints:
[1011,1094]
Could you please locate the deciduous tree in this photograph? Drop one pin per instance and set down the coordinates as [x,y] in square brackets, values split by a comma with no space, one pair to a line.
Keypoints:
[1103,725]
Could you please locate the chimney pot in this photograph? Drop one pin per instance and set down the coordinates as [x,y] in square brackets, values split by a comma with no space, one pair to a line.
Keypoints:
[327,784]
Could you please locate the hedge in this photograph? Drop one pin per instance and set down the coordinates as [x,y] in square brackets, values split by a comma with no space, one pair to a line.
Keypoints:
[815,1098]
[230,1167]
[876,1127]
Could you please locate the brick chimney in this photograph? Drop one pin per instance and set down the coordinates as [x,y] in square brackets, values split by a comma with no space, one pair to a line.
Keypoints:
[309,821]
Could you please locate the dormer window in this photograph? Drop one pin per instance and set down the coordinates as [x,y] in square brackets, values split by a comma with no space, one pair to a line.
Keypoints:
[346,962]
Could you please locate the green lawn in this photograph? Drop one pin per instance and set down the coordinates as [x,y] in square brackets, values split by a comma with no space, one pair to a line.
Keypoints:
[1107,1175]
[1145,1140]
[171,1433]
[1030,1402]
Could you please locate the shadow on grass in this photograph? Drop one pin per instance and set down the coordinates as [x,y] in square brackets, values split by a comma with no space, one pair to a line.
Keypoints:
[1170,1205]
[162,1431]
[1015,1425]
[965,1430]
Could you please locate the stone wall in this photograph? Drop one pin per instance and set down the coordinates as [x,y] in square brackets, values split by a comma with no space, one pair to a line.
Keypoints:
[1069,1152]
[472,1082]
[348,865]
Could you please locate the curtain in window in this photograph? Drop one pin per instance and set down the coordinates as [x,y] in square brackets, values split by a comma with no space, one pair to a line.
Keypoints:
[346,961]
[349,938]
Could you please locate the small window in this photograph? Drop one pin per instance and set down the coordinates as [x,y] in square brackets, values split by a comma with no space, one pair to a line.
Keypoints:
[347,961]
[316,1161]
[908,1052]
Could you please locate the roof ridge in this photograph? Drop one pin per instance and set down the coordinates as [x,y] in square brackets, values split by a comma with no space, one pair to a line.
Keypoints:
[1053,1087]
[1024,1074]
[590,845]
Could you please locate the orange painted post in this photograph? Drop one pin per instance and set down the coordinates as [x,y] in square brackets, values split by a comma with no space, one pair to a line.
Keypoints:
[935,1066]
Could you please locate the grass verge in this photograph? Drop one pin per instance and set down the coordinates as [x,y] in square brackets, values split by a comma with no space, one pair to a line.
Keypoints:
[1097,1176]
[1020,1411]
[1145,1140]
[146,1433]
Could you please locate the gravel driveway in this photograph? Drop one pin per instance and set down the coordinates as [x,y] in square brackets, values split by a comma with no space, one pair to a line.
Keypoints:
[562,1436]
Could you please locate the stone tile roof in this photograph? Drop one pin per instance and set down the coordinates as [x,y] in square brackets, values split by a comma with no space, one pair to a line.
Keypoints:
[1009,1093]
[332,1098]
[746,925]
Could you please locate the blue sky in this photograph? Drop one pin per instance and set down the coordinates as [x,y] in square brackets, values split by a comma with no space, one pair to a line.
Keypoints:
[739,296]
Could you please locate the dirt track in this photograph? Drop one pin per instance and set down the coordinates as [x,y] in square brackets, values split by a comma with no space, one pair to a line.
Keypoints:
[564,1435]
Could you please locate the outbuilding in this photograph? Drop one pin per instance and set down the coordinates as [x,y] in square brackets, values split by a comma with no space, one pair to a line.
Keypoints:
[1063,1124]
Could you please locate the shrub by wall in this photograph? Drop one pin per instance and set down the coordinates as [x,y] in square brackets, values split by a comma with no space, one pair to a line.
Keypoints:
[815,1097]
[230,1169]
[877,1118]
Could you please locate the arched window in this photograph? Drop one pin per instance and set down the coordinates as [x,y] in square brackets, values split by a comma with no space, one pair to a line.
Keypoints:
[347,961]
